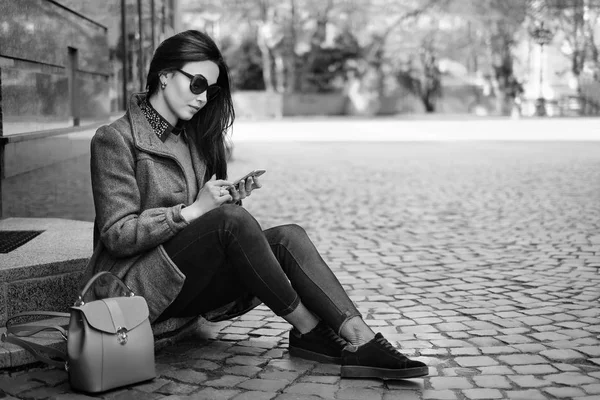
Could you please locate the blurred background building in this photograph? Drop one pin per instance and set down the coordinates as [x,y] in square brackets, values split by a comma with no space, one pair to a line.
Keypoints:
[67,63]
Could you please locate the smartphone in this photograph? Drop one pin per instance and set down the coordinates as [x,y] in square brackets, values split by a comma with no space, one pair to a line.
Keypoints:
[255,173]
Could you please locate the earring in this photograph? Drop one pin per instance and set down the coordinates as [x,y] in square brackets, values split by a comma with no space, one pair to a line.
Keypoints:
[163,85]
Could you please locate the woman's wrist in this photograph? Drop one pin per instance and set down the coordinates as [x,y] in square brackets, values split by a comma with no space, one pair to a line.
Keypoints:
[190,213]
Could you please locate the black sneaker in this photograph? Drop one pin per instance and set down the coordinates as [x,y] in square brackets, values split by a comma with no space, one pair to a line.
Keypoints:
[321,344]
[379,359]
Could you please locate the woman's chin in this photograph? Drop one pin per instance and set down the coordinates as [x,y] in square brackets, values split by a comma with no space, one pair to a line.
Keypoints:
[186,116]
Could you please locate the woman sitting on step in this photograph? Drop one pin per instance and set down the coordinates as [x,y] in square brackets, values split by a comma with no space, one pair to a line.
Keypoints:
[172,226]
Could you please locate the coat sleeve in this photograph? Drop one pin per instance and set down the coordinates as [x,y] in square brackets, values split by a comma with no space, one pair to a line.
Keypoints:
[124,230]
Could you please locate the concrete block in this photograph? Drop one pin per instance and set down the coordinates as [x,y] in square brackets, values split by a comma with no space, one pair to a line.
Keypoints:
[52,293]
[42,270]
[44,273]
[62,241]
[4,357]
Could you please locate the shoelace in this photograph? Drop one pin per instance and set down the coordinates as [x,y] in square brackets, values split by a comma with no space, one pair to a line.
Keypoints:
[330,335]
[388,346]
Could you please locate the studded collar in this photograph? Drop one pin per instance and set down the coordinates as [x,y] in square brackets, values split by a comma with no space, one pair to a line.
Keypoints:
[161,127]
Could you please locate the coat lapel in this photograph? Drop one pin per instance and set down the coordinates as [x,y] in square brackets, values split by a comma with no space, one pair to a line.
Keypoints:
[152,144]
[143,134]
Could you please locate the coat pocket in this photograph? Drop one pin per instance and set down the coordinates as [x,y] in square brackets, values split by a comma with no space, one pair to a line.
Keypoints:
[155,277]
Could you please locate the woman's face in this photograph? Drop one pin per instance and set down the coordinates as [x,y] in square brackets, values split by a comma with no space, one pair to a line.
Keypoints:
[182,104]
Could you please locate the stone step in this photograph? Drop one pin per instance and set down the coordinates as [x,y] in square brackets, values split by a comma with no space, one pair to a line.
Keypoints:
[44,274]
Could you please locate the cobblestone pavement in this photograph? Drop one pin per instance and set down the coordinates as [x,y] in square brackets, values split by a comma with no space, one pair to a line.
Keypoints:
[480,259]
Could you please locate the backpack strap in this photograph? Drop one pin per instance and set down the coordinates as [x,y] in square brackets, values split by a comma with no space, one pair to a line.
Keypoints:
[46,354]
[38,350]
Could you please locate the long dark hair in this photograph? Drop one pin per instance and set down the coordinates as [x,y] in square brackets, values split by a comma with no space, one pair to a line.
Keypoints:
[210,124]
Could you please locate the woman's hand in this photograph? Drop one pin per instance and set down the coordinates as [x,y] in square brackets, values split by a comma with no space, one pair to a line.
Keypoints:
[244,188]
[213,194]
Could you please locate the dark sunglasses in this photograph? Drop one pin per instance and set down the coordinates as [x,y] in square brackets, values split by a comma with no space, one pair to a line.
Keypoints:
[199,85]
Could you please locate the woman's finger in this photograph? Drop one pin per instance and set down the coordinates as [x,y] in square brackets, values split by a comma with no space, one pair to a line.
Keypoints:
[220,191]
[224,199]
[220,182]
[242,189]
[217,183]
[235,195]
[248,187]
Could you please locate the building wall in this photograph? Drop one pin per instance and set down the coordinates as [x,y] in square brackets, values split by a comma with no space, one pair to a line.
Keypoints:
[157,25]
[45,46]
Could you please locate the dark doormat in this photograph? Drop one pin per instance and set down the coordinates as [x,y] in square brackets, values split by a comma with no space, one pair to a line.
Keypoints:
[11,240]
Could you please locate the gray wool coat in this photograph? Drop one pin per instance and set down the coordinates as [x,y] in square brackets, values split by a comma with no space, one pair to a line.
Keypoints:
[139,189]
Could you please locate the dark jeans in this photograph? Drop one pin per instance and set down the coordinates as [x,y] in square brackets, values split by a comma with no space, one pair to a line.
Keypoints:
[225,253]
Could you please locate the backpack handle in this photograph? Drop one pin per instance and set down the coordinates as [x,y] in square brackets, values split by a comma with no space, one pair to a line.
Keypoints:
[80,302]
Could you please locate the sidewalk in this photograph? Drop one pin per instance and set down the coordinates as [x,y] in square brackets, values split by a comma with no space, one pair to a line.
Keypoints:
[481,259]
[410,128]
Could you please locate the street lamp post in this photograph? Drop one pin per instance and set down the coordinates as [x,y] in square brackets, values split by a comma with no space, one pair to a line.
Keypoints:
[543,37]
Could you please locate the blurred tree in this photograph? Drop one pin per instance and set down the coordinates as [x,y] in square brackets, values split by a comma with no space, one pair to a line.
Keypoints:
[276,39]
[324,66]
[421,75]
[503,20]
[577,21]
[245,61]
[486,36]
[312,45]
[398,40]
[302,46]
[411,38]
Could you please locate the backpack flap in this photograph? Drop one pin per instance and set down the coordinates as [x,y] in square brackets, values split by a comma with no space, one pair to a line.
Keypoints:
[113,314]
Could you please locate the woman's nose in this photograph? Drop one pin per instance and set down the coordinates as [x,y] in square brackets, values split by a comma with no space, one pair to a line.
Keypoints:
[201,97]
